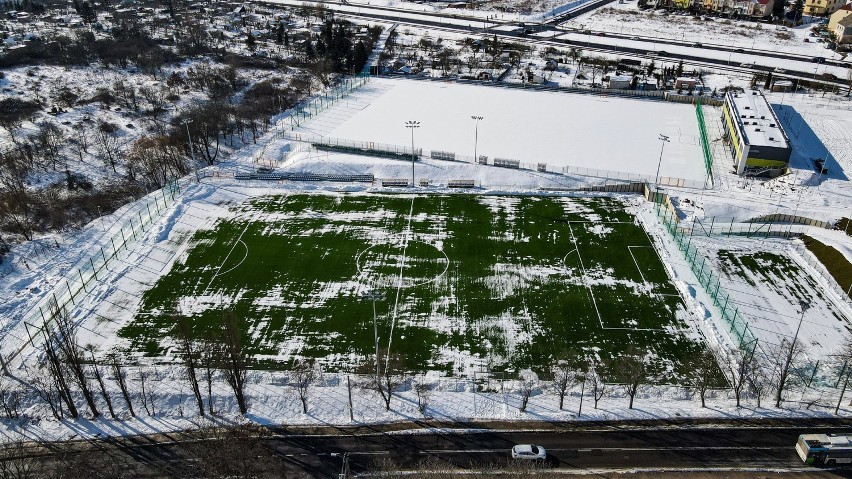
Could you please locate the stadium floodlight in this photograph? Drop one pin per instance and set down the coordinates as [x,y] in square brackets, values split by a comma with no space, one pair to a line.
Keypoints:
[476,118]
[375,296]
[411,124]
[664,139]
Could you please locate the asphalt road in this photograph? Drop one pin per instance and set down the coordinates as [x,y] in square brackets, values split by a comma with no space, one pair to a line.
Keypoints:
[654,449]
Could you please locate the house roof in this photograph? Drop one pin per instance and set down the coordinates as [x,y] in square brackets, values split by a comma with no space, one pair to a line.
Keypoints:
[845,21]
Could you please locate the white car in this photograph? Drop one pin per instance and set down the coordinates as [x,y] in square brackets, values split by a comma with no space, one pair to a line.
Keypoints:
[528,451]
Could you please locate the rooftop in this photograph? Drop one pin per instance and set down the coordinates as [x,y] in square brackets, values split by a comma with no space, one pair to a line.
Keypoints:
[759,122]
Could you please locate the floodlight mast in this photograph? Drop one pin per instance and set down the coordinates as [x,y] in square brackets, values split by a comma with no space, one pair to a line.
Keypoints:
[412,124]
[476,118]
[664,139]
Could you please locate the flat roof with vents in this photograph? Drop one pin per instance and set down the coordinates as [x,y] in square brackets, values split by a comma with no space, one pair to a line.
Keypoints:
[759,122]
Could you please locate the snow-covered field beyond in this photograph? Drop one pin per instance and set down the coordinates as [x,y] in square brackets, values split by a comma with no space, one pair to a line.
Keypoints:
[559,129]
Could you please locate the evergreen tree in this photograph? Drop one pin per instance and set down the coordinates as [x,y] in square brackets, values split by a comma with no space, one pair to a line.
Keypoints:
[360,56]
[778,8]
[798,8]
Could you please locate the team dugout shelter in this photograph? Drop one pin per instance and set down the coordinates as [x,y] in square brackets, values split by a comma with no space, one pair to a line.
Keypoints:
[758,143]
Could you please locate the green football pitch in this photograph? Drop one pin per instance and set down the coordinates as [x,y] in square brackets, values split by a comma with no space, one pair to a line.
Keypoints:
[461,282]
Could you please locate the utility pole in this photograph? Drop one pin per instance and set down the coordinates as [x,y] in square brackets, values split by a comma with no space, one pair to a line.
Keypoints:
[411,124]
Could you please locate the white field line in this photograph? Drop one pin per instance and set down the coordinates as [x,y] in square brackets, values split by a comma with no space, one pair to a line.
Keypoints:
[241,261]
[239,240]
[589,286]
[585,276]
[630,250]
[399,282]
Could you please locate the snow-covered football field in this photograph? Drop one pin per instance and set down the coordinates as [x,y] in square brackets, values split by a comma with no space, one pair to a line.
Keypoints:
[560,129]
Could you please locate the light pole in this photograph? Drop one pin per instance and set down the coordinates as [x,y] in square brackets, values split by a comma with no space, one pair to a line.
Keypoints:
[476,137]
[191,149]
[412,125]
[375,296]
[664,139]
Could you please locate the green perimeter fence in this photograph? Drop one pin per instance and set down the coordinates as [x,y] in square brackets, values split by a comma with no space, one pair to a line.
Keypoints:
[68,292]
[737,324]
[314,106]
[705,144]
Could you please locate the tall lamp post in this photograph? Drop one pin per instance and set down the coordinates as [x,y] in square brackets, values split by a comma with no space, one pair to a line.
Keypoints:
[191,149]
[664,139]
[411,124]
[476,137]
[375,296]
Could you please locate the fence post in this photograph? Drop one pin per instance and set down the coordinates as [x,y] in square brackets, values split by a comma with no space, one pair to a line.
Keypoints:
[70,292]
[94,271]
[82,281]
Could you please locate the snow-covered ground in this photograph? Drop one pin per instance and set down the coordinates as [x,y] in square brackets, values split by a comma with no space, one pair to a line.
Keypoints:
[272,401]
[586,131]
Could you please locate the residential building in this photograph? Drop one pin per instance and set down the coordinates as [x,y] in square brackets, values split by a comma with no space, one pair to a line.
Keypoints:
[620,82]
[758,143]
[839,22]
[822,7]
[843,31]
[762,8]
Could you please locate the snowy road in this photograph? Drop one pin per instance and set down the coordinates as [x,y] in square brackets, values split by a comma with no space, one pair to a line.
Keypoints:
[657,449]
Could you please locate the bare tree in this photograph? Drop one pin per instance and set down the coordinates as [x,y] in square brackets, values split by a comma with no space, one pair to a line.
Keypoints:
[424,392]
[789,353]
[391,375]
[210,356]
[596,383]
[64,334]
[121,378]
[183,332]
[45,388]
[107,144]
[146,395]
[304,375]
[528,384]
[102,386]
[234,357]
[56,369]
[48,142]
[13,112]
[703,370]
[630,370]
[739,369]
[10,398]
[761,379]
[565,377]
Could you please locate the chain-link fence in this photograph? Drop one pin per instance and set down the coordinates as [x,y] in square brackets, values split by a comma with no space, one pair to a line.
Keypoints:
[738,326]
[85,275]
[313,106]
